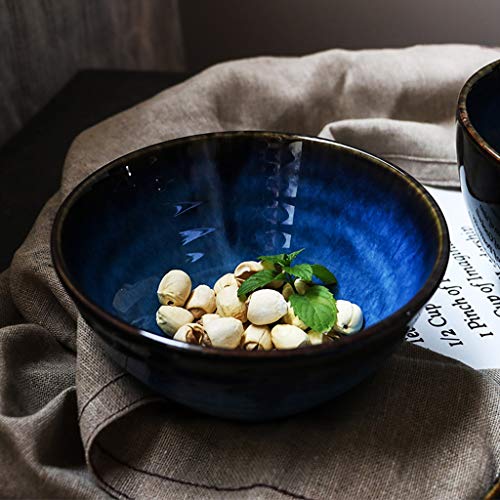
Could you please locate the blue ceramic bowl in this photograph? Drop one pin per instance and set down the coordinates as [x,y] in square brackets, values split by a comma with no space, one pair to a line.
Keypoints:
[207,202]
[478,152]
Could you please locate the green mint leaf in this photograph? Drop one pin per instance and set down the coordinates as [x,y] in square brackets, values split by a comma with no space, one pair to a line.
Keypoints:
[269,265]
[302,271]
[322,273]
[257,280]
[316,308]
[282,259]
[289,257]
[273,259]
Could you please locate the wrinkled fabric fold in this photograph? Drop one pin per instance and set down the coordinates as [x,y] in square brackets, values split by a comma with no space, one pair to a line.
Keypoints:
[73,424]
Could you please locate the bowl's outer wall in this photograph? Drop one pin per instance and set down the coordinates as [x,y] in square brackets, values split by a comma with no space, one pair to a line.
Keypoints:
[252,389]
[479,169]
[381,271]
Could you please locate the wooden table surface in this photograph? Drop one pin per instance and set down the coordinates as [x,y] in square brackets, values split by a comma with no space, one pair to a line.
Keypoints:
[31,162]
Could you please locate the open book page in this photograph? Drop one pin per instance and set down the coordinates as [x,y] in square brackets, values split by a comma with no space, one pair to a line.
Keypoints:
[462,319]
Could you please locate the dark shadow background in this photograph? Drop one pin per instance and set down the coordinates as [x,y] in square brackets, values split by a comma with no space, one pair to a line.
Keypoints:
[218,30]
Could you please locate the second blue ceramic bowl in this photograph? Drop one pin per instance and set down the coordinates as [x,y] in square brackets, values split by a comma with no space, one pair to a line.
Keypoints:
[207,202]
[478,154]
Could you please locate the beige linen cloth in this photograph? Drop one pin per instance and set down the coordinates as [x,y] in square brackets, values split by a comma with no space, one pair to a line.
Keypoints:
[72,424]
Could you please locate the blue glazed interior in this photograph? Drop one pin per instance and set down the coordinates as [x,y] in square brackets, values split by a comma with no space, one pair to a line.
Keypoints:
[207,204]
[483,107]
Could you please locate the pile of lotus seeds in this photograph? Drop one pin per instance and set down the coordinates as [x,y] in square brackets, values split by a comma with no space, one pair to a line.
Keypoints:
[264,320]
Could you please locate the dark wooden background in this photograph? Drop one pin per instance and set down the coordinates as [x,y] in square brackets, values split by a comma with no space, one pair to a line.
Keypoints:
[217,30]
[43,43]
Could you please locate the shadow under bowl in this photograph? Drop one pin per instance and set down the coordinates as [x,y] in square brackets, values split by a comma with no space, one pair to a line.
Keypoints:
[478,154]
[207,202]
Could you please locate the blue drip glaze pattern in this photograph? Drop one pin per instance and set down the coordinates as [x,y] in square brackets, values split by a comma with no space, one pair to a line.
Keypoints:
[206,207]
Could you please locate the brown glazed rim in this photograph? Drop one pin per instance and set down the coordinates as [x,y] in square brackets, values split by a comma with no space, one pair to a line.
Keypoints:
[463,115]
[377,332]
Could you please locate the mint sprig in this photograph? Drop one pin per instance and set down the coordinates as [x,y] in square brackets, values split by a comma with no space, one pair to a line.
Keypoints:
[274,259]
[317,307]
[257,280]
[323,274]
[282,259]
[302,271]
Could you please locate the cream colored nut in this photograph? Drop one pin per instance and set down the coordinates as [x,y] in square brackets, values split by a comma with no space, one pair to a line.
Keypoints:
[287,291]
[333,335]
[245,269]
[171,318]
[206,318]
[275,285]
[266,307]
[230,305]
[300,285]
[224,281]
[201,301]
[192,333]
[292,319]
[317,337]
[289,337]
[174,288]
[224,332]
[349,317]
[257,338]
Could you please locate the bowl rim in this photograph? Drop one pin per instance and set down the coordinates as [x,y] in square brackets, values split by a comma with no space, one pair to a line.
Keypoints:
[463,117]
[379,331]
